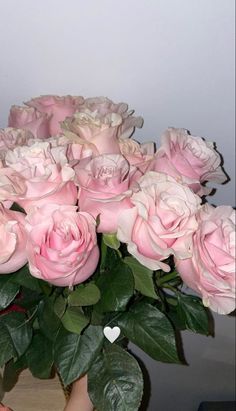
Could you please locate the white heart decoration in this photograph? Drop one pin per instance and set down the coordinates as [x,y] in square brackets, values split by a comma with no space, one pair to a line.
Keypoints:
[111,333]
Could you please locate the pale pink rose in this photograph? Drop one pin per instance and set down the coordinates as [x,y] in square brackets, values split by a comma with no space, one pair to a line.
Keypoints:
[47,174]
[13,137]
[139,155]
[42,115]
[62,244]
[211,269]
[57,108]
[161,221]
[12,241]
[104,106]
[189,159]
[29,118]
[105,185]
[12,185]
[99,123]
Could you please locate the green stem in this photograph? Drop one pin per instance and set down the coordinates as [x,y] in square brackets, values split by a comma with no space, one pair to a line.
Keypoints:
[171,288]
[167,278]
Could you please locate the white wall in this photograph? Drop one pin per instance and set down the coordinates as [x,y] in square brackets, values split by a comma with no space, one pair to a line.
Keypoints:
[171,60]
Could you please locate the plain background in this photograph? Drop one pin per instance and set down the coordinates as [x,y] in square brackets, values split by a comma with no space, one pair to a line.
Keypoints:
[173,62]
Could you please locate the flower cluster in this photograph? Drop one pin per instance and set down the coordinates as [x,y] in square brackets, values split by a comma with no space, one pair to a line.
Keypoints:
[72,166]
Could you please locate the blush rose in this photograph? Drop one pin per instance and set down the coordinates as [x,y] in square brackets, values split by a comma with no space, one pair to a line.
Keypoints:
[99,123]
[43,114]
[62,244]
[161,221]
[211,269]
[12,240]
[189,159]
[105,185]
[47,174]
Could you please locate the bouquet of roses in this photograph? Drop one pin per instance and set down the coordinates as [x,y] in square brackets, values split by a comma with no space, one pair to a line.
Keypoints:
[100,238]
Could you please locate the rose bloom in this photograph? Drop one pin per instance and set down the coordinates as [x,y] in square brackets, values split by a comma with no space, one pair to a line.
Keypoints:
[13,137]
[189,159]
[99,123]
[12,240]
[139,155]
[161,221]
[104,106]
[105,185]
[211,269]
[43,114]
[62,244]
[12,185]
[47,174]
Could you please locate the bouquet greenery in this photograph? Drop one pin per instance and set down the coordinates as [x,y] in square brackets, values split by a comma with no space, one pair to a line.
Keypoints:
[100,238]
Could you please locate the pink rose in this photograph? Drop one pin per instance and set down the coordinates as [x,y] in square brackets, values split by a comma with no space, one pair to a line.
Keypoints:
[161,221]
[30,119]
[189,159]
[99,123]
[57,108]
[43,114]
[12,185]
[62,244]
[13,137]
[12,241]
[105,186]
[211,269]
[104,106]
[139,155]
[47,174]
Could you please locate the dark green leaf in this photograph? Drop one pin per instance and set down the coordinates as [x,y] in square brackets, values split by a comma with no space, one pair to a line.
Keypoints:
[115,381]
[40,356]
[88,294]
[150,329]
[16,331]
[49,322]
[8,290]
[7,350]
[143,277]
[24,278]
[60,305]
[75,353]
[193,314]
[116,286]
[11,374]
[74,320]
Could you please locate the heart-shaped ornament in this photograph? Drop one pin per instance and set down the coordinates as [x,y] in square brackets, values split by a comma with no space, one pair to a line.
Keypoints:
[111,333]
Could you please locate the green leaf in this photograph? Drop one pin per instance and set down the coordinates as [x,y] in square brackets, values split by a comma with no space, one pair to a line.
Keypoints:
[150,329]
[7,351]
[60,306]
[8,290]
[193,314]
[40,356]
[111,241]
[16,331]
[117,287]
[74,320]
[115,381]
[84,295]
[75,353]
[25,279]
[143,278]
[10,376]
[49,322]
